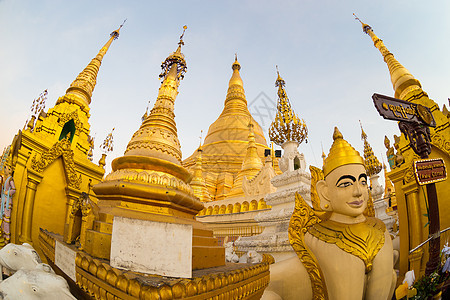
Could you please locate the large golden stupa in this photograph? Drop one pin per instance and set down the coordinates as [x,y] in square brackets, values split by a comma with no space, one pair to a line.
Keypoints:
[225,145]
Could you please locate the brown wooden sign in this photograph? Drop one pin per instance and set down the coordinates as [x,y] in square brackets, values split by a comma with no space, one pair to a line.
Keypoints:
[400,110]
[430,170]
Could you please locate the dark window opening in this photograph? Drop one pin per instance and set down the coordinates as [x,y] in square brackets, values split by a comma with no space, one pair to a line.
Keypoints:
[69,127]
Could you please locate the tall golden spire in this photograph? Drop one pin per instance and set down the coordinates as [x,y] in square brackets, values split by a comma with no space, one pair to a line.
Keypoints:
[157,137]
[84,84]
[373,166]
[235,101]
[402,81]
[286,126]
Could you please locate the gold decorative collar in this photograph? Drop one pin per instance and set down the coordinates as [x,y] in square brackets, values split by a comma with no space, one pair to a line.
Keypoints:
[363,240]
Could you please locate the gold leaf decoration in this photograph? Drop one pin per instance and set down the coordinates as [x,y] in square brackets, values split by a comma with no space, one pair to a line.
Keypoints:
[302,218]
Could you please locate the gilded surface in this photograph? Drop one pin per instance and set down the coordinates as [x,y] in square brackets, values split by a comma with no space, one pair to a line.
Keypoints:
[87,79]
[341,153]
[442,143]
[303,218]
[317,175]
[370,209]
[225,144]
[363,240]
[402,80]
[371,162]
[150,177]
[101,281]
[157,135]
[61,148]
[286,126]
[65,117]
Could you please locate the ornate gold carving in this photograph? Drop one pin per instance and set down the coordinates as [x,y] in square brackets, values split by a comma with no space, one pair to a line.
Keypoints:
[302,218]
[440,142]
[65,117]
[83,204]
[61,148]
[101,281]
[317,175]
[151,177]
[363,240]
[286,126]
[154,146]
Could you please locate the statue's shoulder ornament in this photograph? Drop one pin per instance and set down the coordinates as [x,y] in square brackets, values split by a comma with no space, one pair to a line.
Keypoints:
[363,240]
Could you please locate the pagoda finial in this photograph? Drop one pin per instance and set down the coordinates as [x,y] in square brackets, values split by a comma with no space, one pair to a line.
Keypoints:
[83,86]
[402,80]
[201,139]
[177,60]
[365,27]
[236,77]
[371,162]
[286,126]
[236,64]
[181,42]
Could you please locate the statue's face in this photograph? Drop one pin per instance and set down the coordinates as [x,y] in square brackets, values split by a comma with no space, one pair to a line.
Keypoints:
[347,190]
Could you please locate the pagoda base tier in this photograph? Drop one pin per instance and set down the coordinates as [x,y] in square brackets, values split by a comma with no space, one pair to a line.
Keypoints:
[96,279]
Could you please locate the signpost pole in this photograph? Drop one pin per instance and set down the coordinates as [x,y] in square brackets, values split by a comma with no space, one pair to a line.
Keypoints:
[415,120]
[434,230]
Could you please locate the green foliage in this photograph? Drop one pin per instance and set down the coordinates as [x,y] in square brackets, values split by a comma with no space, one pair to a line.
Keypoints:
[428,286]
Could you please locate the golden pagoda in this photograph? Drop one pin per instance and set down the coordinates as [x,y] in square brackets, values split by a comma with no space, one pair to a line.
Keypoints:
[411,201]
[117,244]
[51,159]
[232,168]
[225,145]
[148,181]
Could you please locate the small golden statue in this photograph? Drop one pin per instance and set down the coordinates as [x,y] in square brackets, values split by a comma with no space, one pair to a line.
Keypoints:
[342,251]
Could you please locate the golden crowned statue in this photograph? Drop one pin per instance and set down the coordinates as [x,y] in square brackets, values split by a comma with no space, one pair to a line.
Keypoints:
[343,252]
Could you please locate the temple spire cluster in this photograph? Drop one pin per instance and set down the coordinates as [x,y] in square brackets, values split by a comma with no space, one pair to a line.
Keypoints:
[286,126]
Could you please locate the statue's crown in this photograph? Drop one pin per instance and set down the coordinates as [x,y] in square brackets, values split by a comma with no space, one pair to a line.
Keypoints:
[341,153]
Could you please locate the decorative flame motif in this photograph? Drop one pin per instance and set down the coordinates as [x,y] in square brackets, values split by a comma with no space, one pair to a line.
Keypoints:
[108,143]
[286,126]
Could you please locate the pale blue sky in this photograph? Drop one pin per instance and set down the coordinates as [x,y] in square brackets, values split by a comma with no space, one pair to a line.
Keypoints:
[330,67]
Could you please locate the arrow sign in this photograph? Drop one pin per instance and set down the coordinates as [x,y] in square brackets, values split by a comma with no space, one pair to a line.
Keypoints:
[400,110]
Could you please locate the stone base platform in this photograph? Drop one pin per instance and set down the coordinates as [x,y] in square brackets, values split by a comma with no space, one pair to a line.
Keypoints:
[95,279]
